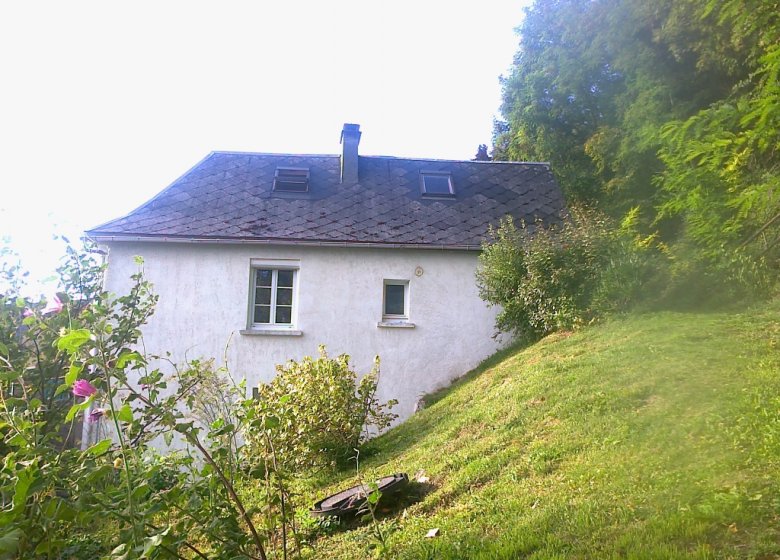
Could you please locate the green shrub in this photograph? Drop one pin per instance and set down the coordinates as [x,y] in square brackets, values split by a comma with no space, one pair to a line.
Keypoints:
[324,413]
[558,277]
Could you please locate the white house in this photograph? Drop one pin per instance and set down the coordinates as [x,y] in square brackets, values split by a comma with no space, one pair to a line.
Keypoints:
[262,257]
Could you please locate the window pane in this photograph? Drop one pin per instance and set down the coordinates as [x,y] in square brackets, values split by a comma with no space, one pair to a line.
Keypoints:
[263,295]
[285,278]
[273,296]
[291,180]
[284,296]
[262,314]
[283,315]
[281,185]
[394,299]
[436,184]
[264,277]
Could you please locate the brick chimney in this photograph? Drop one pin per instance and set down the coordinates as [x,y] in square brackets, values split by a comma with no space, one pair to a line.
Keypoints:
[350,138]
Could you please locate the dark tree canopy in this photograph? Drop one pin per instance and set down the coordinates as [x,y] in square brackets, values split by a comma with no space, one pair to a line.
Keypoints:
[482,153]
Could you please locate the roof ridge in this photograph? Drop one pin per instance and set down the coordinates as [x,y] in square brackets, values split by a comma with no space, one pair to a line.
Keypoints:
[375,156]
[280,154]
[544,163]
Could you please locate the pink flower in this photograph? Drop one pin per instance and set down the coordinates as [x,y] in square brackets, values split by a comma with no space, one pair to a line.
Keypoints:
[83,388]
[54,306]
[95,415]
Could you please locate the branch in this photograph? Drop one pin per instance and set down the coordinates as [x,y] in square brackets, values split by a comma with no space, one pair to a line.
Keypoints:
[760,231]
[229,487]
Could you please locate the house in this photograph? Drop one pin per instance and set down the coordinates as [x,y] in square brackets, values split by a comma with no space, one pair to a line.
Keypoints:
[262,257]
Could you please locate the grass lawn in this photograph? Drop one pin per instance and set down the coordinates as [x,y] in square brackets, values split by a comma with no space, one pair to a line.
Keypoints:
[650,436]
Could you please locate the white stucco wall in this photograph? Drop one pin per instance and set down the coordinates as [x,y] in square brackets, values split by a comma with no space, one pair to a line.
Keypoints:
[204,295]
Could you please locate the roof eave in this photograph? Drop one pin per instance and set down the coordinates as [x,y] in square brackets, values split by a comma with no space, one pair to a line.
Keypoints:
[114,238]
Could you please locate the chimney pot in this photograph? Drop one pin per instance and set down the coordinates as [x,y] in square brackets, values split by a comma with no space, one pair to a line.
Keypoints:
[350,138]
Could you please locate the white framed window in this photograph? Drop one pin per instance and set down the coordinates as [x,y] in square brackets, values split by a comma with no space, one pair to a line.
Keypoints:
[395,305]
[395,300]
[273,295]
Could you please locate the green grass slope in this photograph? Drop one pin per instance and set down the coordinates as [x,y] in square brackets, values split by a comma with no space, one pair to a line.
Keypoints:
[651,436]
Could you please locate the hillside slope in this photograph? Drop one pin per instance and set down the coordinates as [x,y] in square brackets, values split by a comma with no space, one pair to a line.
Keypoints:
[652,436]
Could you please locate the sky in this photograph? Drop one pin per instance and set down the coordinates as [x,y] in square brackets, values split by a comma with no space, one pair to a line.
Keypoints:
[103,103]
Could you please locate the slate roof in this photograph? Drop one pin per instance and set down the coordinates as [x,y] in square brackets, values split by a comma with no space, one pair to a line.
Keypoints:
[228,196]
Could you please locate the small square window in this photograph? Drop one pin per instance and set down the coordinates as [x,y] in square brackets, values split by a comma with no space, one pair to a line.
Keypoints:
[395,301]
[436,184]
[291,179]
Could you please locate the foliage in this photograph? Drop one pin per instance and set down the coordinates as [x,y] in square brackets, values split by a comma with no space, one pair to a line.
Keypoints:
[30,331]
[558,277]
[75,358]
[324,412]
[715,280]
[722,171]
[669,106]
[217,402]
[594,81]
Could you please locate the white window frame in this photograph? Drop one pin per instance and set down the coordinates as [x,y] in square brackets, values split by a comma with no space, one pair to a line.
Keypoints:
[389,317]
[275,266]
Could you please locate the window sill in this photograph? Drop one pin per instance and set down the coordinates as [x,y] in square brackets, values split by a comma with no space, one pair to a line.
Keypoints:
[270,332]
[395,325]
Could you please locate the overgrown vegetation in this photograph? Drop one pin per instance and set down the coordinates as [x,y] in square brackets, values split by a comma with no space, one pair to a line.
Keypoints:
[563,276]
[671,107]
[569,274]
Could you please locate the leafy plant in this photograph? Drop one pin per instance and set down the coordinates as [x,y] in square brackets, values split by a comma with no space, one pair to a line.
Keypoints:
[721,175]
[559,277]
[379,535]
[323,410]
[76,358]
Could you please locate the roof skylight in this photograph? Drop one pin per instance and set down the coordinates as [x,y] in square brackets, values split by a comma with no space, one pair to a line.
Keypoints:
[436,184]
[291,179]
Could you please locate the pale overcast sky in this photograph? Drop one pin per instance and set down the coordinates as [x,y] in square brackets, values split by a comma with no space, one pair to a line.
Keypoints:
[103,104]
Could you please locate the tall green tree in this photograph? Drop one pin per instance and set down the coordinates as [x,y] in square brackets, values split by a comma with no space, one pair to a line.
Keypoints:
[721,171]
[605,90]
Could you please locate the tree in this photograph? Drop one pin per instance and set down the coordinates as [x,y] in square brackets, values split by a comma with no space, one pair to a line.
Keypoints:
[667,106]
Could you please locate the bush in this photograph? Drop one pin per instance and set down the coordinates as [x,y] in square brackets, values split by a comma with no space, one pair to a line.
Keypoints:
[323,412]
[558,277]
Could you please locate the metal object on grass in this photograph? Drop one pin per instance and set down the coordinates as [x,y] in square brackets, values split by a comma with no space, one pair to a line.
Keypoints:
[349,501]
